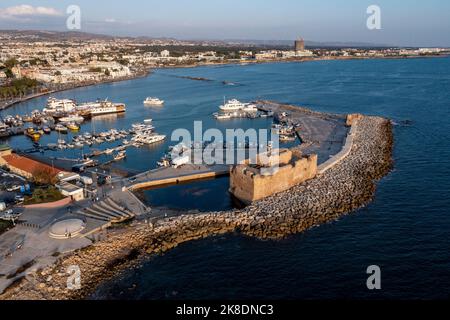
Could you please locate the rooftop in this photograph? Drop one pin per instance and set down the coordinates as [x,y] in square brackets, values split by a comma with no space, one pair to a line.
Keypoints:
[4,147]
[28,165]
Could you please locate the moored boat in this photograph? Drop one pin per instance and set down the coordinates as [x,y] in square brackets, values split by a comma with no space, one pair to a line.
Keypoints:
[150,101]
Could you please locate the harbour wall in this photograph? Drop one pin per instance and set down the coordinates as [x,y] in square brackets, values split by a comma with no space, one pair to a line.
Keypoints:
[352,121]
[176,180]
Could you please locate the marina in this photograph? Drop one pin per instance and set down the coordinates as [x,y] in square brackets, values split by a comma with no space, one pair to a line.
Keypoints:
[196,195]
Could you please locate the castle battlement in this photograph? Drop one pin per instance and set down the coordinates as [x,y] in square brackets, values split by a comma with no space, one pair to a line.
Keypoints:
[271,174]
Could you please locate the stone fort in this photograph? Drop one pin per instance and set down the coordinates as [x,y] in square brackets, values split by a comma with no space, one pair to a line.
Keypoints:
[271,173]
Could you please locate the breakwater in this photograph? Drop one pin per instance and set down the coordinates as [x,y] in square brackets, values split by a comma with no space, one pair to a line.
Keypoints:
[343,188]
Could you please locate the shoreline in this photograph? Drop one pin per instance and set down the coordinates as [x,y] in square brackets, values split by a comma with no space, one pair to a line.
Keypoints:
[139,75]
[349,185]
[148,71]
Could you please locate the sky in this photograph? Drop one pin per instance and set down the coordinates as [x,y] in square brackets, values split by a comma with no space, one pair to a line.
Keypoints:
[403,22]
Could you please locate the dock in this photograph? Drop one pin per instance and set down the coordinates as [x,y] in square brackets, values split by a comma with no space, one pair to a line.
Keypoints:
[167,176]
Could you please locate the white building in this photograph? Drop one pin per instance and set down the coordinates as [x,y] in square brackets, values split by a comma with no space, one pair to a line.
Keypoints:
[165,54]
[71,190]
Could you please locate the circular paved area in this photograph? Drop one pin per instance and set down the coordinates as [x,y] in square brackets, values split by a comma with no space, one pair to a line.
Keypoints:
[66,229]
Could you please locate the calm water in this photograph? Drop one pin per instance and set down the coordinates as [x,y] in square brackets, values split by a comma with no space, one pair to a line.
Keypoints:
[405,230]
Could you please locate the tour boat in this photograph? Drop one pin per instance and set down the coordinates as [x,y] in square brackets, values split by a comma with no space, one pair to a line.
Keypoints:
[107,107]
[150,101]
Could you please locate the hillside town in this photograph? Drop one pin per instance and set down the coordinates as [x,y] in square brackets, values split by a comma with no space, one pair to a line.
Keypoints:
[32,64]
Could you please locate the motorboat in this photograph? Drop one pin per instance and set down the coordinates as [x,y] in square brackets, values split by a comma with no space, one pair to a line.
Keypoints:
[151,101]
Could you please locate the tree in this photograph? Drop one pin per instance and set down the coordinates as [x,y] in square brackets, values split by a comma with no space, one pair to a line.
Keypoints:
[11,63]
[44,176]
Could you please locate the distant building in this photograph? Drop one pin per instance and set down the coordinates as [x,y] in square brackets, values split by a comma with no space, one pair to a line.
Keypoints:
[165,54]
[299,45]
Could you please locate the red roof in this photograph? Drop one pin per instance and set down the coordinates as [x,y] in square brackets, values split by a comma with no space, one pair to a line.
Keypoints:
[28,165]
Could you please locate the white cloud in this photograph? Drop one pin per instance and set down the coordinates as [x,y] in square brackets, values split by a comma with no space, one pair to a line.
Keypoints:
[27,11]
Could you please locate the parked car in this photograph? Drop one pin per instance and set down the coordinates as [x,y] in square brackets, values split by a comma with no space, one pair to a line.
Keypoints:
[19,199]
[13,188]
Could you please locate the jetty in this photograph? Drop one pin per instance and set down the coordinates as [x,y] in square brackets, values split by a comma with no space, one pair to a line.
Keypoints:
[169,175]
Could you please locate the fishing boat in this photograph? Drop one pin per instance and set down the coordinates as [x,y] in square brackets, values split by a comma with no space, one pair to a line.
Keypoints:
[72,126]
[31,133]
[148,120]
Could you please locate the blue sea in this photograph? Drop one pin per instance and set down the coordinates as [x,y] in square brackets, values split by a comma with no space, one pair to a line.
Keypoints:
[405,230]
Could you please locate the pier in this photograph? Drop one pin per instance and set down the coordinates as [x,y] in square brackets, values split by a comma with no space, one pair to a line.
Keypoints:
[166,176]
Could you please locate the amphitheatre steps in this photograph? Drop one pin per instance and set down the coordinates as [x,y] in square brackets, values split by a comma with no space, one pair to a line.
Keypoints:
[107,210]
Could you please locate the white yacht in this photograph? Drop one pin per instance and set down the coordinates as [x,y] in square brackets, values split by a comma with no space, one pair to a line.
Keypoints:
[250,108]
[150,101]
[149,139]
[232,105]
[72,118]
[59,105]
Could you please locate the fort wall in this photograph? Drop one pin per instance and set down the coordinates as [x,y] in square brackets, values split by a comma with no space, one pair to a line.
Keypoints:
[250,183]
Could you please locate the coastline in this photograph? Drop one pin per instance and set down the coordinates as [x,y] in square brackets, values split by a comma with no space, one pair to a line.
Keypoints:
[348,186]
[142,74]
[148,71]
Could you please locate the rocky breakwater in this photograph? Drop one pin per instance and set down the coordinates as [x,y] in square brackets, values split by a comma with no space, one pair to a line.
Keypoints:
[347,186]
[342,189]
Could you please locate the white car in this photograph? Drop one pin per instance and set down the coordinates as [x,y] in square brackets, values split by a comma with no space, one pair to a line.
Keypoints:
[13,188]
[9,215]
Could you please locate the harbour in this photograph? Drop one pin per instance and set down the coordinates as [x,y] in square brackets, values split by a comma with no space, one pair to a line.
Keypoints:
[205,107]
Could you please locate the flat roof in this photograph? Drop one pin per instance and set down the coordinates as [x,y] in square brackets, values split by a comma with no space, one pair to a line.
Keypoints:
[4,147]
[69,188]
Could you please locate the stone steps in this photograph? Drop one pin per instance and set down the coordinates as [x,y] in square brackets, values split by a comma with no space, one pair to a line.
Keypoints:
[93,216]
[107,210]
